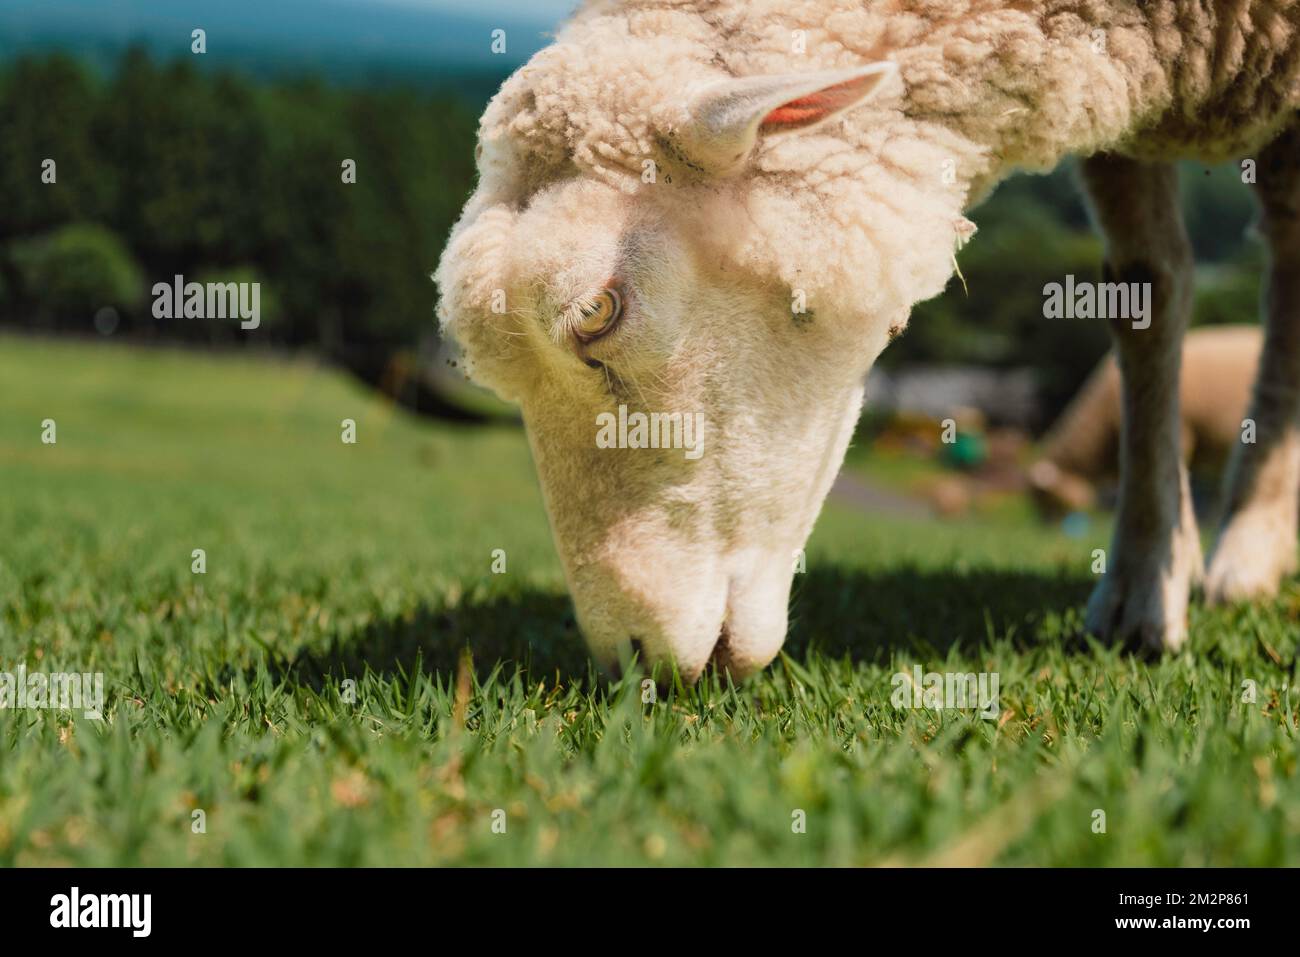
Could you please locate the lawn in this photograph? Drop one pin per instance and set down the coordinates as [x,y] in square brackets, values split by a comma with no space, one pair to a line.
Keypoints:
[349,682]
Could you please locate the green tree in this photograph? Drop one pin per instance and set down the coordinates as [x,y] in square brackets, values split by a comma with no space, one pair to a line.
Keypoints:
[47,112]
[75,270]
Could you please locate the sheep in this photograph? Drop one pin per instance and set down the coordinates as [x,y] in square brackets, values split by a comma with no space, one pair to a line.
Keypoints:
[729,208]
[1081,449]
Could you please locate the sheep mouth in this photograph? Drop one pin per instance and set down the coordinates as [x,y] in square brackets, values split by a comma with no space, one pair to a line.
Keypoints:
[720,659]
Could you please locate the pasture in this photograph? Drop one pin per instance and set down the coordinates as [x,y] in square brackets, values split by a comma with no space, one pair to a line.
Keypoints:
[349,681]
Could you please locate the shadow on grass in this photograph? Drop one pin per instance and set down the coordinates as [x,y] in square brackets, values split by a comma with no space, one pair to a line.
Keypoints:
[869,615]
[533,631]
[838,612]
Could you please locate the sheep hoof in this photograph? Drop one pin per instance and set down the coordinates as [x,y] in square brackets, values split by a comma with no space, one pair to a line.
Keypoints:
[1255,551]
[1141,603]
[1149,616]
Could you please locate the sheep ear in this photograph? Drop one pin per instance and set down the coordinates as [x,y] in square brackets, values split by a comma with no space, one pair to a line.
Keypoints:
[727,118]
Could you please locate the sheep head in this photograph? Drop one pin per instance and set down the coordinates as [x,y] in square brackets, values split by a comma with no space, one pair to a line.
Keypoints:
[690,370]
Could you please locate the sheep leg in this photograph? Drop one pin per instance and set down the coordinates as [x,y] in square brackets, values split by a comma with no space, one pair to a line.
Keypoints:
[1155,554]
[1257,542]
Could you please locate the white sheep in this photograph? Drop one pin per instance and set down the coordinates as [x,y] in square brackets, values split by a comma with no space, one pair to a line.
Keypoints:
[729,208]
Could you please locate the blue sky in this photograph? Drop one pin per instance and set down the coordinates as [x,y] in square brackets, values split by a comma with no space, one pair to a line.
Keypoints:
[324,35]
[554,10]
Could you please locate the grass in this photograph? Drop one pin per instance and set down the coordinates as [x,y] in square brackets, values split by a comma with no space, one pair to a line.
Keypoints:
[474,702]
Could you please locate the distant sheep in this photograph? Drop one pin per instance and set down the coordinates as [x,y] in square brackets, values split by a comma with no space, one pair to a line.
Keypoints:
[729,208]
[1081,450]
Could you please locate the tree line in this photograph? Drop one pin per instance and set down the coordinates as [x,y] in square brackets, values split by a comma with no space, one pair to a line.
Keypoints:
[337,200]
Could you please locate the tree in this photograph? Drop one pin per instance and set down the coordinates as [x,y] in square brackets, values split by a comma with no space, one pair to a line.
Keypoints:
[74,271]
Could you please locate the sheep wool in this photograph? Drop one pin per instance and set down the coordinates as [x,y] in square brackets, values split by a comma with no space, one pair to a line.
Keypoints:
[863,213]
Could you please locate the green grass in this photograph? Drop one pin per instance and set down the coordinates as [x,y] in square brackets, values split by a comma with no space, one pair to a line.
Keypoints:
[373,562]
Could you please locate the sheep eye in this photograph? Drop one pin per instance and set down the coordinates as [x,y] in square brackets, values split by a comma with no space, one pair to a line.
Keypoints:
[599,317]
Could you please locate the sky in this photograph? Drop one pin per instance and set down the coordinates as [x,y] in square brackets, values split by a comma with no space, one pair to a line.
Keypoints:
[322,35]
[554,10]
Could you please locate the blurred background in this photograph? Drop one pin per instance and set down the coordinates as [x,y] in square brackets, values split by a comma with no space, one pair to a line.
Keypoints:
[226,166]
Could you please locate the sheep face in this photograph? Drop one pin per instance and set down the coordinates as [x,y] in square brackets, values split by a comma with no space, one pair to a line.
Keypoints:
[687,415]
